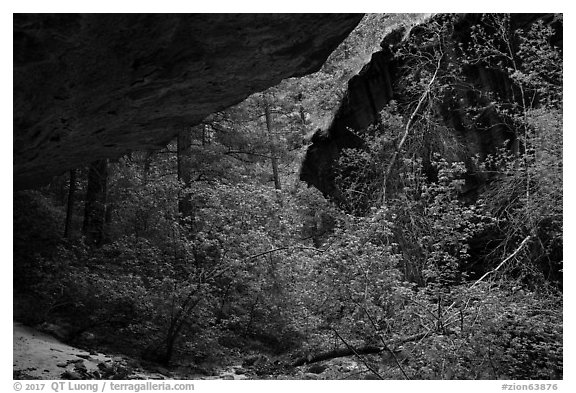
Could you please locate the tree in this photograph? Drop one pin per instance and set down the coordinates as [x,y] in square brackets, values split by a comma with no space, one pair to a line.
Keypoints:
[271,141]
[70,204]
[185,176]
[529,177]
[95,205]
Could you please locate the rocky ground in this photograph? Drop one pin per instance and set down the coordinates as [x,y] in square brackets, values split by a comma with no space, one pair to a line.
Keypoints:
[39,355]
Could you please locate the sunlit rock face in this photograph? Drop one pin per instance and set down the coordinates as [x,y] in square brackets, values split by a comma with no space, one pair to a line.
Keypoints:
[377,84]
[93,86]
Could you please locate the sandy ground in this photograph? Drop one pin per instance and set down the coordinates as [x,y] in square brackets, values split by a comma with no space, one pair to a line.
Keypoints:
[40,355]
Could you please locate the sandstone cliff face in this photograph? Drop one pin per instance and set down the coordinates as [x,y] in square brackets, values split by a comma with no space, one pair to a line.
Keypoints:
[93,86]
[378,83]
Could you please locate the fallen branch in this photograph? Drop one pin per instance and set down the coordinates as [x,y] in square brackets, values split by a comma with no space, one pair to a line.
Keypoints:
[337,353]
[366,350]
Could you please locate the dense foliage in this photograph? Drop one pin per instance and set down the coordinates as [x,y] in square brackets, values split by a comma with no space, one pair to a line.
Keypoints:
[442,284]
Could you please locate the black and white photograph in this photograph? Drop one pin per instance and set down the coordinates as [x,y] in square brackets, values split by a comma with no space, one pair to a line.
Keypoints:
[287,196]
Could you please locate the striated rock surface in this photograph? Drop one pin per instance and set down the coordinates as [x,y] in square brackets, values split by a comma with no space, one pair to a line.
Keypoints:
[95,86]
[377,84]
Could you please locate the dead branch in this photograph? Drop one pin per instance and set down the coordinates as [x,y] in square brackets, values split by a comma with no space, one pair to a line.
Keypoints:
[522,244]
[503,262]
[407,131]
[338,353]
[385,346]
[365,350]
[355,352]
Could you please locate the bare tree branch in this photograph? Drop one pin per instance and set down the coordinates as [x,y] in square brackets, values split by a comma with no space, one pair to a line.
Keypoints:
[503,262]
[358,355]
[407,131]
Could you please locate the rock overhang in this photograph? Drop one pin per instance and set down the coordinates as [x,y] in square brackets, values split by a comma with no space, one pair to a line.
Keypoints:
[95,86]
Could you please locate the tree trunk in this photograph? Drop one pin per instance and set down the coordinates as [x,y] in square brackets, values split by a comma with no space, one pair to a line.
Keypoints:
[70,207]
[146,169]
[185,176]
[205,136]
[169,351]
[95,207]
[337,353]
[108,221]
[272,143]
[365,350]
